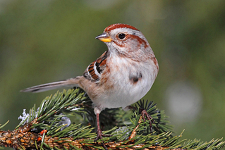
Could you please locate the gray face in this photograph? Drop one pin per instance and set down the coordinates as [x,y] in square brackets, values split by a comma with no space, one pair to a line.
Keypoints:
[129,42]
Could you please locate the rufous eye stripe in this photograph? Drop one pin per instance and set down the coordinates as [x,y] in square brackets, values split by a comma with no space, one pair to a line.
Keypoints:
[129,36]
[140,40]
[119,25]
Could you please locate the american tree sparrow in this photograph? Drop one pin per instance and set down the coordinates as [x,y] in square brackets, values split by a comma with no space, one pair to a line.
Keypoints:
[120,76]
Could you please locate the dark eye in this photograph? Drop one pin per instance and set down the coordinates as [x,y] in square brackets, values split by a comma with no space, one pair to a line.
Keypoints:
[121,36]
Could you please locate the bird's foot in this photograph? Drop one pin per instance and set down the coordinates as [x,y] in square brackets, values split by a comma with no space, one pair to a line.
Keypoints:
[99,136]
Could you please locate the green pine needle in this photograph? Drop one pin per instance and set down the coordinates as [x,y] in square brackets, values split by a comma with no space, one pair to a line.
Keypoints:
[55,111]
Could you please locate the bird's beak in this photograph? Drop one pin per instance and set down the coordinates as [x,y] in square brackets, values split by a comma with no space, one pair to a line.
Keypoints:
[104,37]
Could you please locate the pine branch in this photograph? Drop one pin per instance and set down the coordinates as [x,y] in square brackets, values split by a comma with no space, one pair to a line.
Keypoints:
[49,127]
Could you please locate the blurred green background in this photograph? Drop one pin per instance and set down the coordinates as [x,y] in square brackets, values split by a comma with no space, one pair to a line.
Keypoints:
[50,40]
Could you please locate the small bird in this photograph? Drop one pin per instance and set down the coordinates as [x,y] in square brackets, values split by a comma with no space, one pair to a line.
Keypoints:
[121,76]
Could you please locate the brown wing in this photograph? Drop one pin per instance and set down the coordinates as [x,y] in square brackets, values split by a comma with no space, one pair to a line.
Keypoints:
[95,69]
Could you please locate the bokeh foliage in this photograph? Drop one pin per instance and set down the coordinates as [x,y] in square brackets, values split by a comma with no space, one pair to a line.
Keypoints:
[49,40]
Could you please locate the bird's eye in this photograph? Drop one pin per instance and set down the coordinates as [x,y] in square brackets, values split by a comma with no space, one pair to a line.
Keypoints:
[121,36]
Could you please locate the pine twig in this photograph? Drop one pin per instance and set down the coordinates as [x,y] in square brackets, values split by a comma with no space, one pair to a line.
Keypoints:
[49,127]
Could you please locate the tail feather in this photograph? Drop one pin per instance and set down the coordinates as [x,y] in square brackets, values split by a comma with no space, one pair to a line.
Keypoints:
[53,85]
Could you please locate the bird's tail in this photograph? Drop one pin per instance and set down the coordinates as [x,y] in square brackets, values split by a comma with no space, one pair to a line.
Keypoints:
[73,82]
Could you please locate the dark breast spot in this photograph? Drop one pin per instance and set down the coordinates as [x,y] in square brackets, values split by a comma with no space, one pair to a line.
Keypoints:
[135,78]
